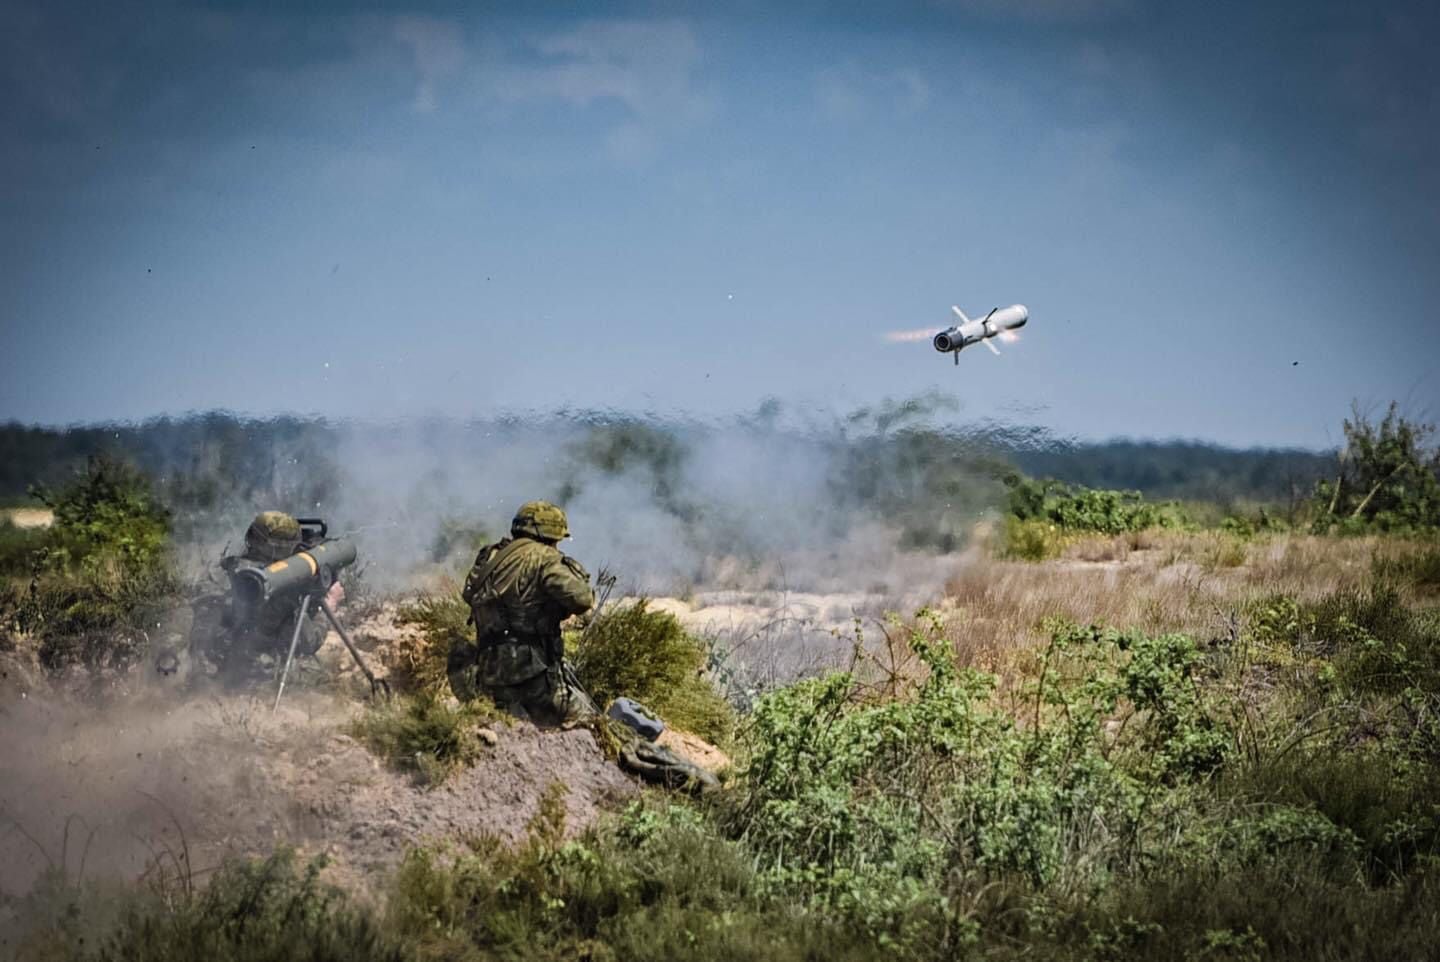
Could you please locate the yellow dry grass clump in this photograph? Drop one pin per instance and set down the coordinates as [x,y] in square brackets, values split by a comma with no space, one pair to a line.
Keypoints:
[1197,583]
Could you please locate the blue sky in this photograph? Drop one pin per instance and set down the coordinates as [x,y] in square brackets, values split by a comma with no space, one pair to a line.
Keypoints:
[462,209]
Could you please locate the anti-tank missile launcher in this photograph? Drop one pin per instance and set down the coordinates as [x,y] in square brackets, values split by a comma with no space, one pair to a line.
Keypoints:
[310,570]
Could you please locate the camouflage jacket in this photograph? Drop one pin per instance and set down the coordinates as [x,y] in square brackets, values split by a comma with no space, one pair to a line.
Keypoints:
[520,590]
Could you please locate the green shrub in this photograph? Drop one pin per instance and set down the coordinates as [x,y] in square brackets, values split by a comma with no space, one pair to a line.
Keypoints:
[417,662]
[1388,478]
[1076,509]
[103,574]
[260,911]
[458,539]
[647,655]
[652,885]
[1034,539]
[18,547]
[429,736]
[873,810]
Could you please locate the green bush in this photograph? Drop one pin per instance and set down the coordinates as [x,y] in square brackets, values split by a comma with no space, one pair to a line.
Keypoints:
[18,547]
[652,885]
[1085,509]
[260,911]
[1034,539]
[1388,478]
[875,809]
[103,574]
[647,655]
[417,662]
[457,538]
[427,735]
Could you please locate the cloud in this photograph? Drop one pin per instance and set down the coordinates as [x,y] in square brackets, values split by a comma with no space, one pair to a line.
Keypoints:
[438,49]
[1042,11]
[850,92]
[646,66]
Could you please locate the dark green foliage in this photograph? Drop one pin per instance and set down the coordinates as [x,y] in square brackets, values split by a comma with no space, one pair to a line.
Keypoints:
[428,735]
[263,911]
[653,885]
[1388,478]
[458,539]
[229,465]
[639,448]
[18,547]
[102,574]
[1187,470]
[108,515]
[1083,509]
[930,483]
[647,655]
[418,662]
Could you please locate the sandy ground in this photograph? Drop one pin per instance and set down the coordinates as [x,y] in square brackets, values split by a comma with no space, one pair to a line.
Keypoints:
[164,779]
[28,517]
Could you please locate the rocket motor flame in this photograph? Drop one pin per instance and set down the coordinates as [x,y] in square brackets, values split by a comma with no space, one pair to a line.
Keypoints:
[906,337]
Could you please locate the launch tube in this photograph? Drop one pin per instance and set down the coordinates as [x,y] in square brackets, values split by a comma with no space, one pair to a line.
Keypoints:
[312,568]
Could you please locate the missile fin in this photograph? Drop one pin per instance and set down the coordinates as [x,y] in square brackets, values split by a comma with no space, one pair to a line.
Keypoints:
[993,349]
[960,314]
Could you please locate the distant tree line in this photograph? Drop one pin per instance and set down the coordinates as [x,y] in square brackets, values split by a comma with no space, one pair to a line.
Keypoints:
[202,458]
[1186,470]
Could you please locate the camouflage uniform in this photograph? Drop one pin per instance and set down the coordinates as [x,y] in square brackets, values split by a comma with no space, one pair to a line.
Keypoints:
[519,591]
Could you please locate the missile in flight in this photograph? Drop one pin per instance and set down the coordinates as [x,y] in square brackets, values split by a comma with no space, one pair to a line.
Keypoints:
[998,323]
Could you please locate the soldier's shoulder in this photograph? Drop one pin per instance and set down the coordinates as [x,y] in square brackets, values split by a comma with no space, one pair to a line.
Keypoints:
[491,550]
[574,567]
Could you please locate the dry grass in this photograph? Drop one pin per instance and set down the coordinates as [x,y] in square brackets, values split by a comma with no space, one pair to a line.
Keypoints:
[1161,581]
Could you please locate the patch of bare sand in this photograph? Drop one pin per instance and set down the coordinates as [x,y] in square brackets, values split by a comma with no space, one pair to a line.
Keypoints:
[28,517]
[191,782]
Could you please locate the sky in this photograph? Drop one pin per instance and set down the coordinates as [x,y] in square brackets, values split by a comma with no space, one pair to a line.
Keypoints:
[1223,217]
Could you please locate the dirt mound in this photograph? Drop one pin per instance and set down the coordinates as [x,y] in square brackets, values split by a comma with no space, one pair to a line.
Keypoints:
[159,785]
[694,749]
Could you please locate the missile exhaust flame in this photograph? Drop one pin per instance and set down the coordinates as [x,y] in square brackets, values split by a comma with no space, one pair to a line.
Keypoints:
[908,337]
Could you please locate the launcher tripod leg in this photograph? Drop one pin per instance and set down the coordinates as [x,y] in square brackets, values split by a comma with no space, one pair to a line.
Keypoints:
[290,658]
[376,684]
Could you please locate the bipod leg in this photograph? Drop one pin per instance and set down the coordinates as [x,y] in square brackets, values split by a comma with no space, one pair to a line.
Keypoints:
[377,685]
[290,658]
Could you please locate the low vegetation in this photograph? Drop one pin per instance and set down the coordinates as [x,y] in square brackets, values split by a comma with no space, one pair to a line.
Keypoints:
[427,735]
[88,587]
[1268,794]
[634,651]
[1228,748]
[438,622]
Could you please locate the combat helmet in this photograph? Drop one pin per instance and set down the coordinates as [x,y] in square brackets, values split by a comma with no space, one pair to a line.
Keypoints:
[271,536]
[540,520]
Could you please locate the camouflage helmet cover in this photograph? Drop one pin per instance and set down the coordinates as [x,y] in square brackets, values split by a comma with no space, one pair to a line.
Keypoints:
[541,520]
[272,535]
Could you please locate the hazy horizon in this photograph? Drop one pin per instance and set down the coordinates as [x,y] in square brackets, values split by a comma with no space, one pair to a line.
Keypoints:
[1223,218]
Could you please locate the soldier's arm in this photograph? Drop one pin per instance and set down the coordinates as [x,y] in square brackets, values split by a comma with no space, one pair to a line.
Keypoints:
[567,585]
